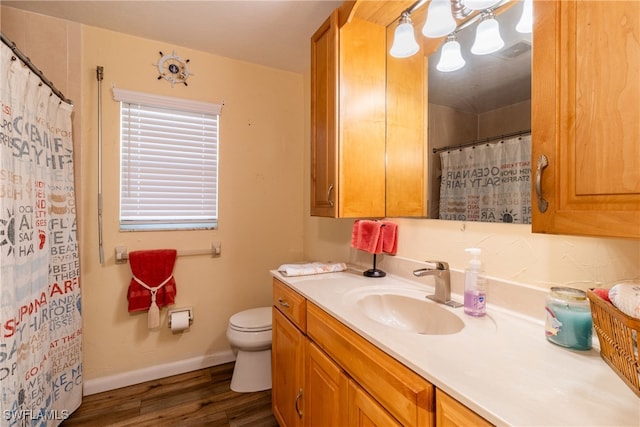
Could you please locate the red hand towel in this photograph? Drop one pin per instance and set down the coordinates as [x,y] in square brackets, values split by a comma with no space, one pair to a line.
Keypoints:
[366,236]
[152,267]
[602,293]
[389,237]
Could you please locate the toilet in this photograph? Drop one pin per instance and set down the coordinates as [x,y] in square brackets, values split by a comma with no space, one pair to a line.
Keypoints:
[249,334]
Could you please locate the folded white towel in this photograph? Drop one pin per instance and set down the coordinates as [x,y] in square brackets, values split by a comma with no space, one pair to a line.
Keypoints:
[311,268]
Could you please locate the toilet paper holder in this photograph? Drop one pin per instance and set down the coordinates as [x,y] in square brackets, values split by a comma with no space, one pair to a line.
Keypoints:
[189,310]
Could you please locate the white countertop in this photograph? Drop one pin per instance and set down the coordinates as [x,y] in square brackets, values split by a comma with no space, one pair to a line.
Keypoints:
[501,365]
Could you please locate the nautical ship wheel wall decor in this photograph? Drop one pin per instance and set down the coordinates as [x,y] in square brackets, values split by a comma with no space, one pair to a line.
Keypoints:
[173,68]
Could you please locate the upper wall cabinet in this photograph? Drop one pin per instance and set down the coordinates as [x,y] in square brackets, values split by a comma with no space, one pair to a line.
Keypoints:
[355,171]
[406,192]
[586,118]
[348,119]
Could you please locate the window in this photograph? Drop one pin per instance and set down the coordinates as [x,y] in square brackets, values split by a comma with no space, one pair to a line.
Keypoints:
[168,162]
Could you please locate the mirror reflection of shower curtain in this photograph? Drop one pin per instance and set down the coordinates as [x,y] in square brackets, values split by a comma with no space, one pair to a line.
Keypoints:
[488,183]
[40,309]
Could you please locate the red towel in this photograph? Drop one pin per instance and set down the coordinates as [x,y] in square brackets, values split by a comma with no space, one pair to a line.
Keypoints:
[389,237]
[374,236]
[366,235]
[152,267]
[602,293]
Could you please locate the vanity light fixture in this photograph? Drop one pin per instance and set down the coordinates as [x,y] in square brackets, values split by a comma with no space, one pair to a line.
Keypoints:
[488,38]
[440,20]
[525,25]
[450,56]
[404,39]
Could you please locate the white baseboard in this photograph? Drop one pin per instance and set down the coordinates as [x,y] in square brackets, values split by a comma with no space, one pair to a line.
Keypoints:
[111,382]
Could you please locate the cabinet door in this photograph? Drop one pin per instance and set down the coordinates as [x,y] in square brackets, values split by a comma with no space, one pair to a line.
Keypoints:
[404,394]
[586,117]
[451,413]
[348,118]
[361,127]
[287,359]
[406,149]
[364,411]
[326,387]
[324,76]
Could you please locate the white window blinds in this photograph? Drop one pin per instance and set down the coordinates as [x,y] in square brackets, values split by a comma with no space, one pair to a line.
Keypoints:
[168,162]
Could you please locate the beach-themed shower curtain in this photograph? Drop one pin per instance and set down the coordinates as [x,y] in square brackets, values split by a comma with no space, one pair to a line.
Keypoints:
[40,323]
[488,183]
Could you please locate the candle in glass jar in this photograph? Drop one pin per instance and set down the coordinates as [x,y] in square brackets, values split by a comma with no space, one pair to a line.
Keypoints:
[569,322]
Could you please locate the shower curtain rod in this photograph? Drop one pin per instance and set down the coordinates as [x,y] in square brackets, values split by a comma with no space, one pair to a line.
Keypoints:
[481,141]
[25,60]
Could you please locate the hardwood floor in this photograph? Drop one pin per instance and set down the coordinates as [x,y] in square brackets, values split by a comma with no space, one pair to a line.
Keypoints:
[198,398]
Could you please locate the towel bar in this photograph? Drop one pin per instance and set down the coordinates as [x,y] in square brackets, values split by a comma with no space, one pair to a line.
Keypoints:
[122,255]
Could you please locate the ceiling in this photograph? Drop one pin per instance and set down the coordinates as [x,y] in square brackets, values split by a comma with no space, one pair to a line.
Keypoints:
[276,33]
[273,33]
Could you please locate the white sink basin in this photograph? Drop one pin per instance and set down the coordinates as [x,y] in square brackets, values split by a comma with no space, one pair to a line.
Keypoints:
[406,310]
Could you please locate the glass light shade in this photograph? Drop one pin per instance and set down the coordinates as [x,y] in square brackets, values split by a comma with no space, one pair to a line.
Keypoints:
[404,40]
[450,57]
[488,38]
[525,25]
[440,20]
[479,4]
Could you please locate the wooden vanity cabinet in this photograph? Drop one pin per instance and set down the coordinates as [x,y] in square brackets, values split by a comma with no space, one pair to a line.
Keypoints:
[332,376]
[288,340]
[327,401]
[308,389]
[586,117]
[404,394]
[365,411]
[325,375]
[287,360]
[451,413]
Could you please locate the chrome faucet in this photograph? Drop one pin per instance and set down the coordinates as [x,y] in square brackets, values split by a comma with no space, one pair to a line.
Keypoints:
[443,282]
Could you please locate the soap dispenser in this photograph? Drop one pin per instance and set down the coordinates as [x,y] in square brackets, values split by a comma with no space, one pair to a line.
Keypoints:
[475,297]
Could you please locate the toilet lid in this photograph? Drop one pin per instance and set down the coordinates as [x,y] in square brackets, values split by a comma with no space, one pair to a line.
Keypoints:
[254,319]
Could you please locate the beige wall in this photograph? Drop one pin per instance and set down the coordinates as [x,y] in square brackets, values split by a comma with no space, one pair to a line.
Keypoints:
[260,199]
[37,36]
[261,191]
[510,251]
[505,120]
[264,201]
[448,126]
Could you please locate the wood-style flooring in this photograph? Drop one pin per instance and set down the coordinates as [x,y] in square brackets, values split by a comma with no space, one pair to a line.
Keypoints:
[198,398]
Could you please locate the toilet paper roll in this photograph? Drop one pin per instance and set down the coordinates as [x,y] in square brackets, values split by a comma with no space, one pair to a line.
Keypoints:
[179,321]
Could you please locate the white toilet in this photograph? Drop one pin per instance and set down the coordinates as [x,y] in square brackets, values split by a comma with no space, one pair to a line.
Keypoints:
[249,334]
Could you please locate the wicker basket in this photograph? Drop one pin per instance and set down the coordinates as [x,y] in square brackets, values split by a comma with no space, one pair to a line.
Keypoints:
[618,335]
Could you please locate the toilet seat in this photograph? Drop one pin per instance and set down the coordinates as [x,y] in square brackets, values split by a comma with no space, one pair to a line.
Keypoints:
[252,320]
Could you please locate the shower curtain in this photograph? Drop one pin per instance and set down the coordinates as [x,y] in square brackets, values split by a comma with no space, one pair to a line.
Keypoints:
[40,311]
[488,183]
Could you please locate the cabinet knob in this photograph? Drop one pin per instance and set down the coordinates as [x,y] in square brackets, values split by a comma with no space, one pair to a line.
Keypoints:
[543,162]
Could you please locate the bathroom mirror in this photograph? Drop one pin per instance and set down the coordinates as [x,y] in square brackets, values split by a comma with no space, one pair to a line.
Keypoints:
[485,102]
